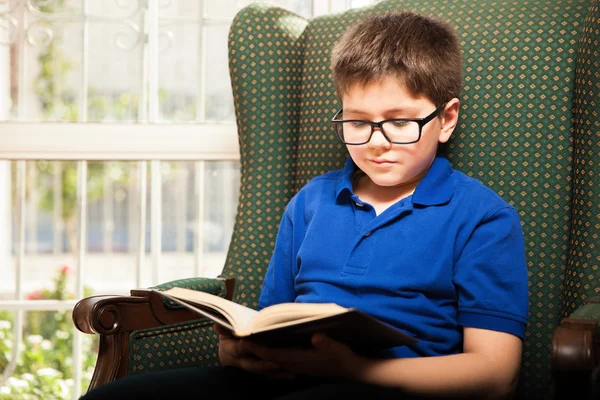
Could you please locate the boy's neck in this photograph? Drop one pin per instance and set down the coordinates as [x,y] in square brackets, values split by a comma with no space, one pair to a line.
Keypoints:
[381,197]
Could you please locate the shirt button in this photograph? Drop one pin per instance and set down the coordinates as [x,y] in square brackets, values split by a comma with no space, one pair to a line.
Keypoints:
[368,234]
[359,205]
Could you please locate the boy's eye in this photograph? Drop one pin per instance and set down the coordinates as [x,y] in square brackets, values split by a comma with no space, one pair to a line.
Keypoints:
[399,123]
[358,124]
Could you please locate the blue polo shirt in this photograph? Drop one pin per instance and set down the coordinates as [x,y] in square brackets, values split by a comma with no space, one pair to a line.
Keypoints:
[450,255]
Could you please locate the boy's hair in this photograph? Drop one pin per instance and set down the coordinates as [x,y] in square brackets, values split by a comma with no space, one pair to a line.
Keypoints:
[422,52]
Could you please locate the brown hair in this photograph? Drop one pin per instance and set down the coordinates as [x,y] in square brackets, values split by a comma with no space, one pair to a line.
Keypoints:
[423,52]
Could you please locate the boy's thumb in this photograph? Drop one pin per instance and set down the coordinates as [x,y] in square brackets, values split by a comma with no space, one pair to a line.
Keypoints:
[321,341]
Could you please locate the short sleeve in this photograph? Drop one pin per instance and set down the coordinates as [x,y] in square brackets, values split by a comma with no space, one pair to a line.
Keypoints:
[491,276]
[278,283]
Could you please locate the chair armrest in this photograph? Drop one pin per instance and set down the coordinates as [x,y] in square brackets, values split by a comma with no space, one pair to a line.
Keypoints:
[576,351]
[114,317]
[220,287]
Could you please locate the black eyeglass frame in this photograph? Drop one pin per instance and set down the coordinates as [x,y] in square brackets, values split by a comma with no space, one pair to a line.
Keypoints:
[420,121]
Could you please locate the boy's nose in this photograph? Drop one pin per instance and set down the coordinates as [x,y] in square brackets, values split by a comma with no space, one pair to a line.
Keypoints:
[378,140]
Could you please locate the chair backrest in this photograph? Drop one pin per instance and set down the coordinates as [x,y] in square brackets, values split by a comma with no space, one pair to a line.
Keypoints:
[529,128]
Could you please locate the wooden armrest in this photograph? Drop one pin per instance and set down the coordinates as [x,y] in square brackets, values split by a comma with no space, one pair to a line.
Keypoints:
[115,317]
[575,355]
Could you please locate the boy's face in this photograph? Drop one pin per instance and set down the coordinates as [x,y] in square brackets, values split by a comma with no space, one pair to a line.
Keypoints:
[396,165]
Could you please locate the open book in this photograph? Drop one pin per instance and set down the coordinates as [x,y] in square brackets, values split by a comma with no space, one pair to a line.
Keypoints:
[292,324]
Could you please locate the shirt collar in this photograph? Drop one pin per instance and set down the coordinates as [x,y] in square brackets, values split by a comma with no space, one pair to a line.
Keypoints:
[344,183]
[434,189]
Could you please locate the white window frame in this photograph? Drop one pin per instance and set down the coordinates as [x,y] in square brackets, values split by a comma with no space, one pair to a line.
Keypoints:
[118,141]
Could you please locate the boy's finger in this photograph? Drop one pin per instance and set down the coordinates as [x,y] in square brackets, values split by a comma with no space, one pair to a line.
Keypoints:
[253,348]
[321,341]
[221,330]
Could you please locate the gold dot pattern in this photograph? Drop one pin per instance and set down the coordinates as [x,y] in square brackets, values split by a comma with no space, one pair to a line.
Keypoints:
[208,285]
[582,274]
[266,49]
[590,311]
[193,343]
[189,344]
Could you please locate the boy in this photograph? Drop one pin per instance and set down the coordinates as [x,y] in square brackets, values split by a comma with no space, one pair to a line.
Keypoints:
[396,233]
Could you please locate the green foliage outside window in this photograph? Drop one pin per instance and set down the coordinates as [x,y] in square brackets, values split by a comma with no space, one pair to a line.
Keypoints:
[44,368]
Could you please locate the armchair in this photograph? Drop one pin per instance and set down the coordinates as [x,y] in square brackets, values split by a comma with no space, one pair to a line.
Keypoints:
[529,129]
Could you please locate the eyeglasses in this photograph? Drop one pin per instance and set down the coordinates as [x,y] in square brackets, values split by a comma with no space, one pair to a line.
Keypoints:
[397,130]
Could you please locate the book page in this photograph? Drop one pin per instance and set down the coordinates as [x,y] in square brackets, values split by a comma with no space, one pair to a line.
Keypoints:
[288,313]
[237,315]
[205,311]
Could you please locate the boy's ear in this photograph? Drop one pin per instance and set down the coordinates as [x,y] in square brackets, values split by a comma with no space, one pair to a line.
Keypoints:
[449,119]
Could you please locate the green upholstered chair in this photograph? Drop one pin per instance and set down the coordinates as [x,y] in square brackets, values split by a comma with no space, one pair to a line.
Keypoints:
[529,128]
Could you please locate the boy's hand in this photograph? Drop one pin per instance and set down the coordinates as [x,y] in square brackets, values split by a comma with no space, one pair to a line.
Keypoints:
[233,353]
[327,357]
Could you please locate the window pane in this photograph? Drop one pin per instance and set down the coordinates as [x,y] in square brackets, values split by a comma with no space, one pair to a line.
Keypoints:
[113,199]
[179,70]
[224,8]
[300,7]
[8,36]
[115,63]
[198,202]
[228,8]
[191,88]
[75,67]
[219,101]
[51,72]
[46,83]
[181,8]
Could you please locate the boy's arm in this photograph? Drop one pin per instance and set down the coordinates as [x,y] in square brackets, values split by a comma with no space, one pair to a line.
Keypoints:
[491,280]
[487,369]
[278,283]
[490,275]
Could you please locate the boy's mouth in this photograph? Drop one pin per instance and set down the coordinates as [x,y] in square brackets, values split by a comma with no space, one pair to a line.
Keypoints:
[381,161]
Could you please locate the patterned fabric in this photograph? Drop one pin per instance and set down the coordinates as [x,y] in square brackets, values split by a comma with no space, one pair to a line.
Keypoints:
[208,285]
[582,275]
[590,311]
[194,343]
[529,129]
[265,62]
